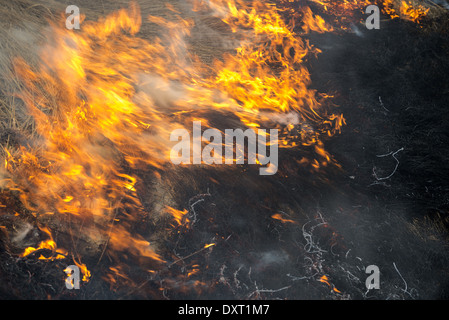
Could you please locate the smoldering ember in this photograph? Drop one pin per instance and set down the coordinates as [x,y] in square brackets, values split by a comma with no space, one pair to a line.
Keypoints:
[338,115]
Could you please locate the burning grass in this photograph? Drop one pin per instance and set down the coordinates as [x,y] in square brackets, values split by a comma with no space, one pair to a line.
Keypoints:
[86,166]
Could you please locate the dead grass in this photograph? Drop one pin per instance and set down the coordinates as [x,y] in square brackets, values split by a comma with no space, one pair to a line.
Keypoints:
[430,228]
[20,24]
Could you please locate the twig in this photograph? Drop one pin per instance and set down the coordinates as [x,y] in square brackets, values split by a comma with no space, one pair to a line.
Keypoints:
[393,154]
[271,290]
[258,291]
[295,278]
[237,281]
[190,255]
[308,236]
[382,104]
[192,205]
[346,255]
[405,282]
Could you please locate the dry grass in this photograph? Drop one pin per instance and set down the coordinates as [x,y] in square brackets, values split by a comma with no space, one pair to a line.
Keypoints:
[430,228]
[21,22]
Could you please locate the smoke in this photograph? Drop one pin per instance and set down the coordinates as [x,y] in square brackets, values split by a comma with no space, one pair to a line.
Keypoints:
[271,259]
[21,232]
[155,90]
[290,118]
[357,30]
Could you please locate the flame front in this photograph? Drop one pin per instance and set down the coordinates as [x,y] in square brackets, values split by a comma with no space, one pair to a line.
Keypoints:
[347,12]
[405,10]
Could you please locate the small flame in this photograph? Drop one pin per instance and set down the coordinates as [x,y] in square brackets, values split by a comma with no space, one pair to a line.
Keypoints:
[49,244]
[83,268]
[209,245]
[325,279]
[314,22]
[179,216]
[280,217]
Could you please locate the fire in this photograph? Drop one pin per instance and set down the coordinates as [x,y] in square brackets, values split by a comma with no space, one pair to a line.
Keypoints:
[179,216]
[209,245]
[325,279]
[195,270]
[315,22]
[49,244]
[281,218]
[343,12]
[343,8]
[405,9]
[83,268]
[351,11]
[105,100]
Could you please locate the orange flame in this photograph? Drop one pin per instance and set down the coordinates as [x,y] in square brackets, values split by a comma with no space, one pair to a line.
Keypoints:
[179,216]
[325,279]
[348,11]
[280,217]
[405,10]
[315,22]
[83,268]
[209,245]
[49,244]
